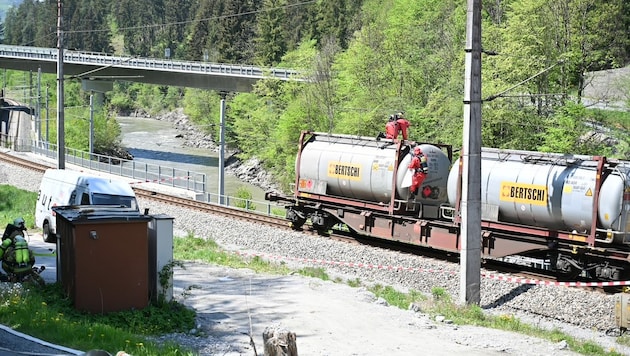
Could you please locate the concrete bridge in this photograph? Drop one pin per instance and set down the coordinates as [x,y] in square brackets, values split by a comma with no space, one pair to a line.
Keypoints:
[98,71]
[105,68]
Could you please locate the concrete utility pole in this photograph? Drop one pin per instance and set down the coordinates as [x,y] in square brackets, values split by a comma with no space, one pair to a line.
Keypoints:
[47,119]
[39,107]
[61,144]
[222,149]
[91,123]
[470,254]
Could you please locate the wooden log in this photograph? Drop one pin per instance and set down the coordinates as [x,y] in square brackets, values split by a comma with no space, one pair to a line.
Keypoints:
[279,342]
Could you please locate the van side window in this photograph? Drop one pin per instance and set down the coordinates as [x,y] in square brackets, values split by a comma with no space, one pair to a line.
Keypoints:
[73,196]
[85,199]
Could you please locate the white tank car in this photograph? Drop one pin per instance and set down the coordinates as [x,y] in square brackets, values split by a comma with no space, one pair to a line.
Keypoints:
[550,190]
[362,168]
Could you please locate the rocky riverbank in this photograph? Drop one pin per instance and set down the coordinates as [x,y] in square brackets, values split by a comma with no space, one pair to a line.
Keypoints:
[250,170]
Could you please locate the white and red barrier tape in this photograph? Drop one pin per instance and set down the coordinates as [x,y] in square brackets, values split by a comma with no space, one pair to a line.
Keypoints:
[430,270]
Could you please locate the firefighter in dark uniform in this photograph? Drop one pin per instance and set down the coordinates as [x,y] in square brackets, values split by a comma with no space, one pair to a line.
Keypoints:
[14,252]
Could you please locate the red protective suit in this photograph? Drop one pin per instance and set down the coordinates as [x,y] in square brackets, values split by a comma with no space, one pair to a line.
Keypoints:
[396,127]
[391,129]
[420,167]
[403,125]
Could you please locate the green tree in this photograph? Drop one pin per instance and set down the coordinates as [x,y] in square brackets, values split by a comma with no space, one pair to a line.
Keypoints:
[564,131]
[202,106]
[21,23]
[298,19]
[236,25]
[173,34]
[90,31]
[599,37]
[331,21]
[202,32]
[270,40]
[137,20]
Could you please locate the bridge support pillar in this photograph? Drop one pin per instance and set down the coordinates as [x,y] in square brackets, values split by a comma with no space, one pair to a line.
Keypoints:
[98,87]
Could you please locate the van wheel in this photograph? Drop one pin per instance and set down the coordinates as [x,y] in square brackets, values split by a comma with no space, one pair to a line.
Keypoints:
[46,233]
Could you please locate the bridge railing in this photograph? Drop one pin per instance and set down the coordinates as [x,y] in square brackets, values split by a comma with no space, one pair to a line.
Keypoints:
[80,57]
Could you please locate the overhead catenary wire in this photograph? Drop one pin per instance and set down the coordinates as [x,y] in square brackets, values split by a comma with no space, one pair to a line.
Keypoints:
[176,23]
[500,94]
[220,17]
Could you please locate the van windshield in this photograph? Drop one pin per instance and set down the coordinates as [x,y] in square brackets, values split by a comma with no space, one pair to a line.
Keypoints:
[107,199]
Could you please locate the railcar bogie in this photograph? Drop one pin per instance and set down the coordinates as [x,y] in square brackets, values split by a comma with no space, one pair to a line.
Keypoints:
[296,217]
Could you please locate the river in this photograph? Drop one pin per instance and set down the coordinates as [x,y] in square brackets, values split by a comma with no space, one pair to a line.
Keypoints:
[155,142]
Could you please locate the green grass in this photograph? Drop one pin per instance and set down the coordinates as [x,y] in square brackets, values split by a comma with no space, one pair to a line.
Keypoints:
[612,118]
[48,314]
[441,304]
[15,203]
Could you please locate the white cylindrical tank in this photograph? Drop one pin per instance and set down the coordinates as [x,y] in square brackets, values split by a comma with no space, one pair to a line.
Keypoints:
[555,192]
[363,168]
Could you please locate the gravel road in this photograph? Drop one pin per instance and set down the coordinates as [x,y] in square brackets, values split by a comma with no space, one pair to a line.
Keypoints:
[580,313]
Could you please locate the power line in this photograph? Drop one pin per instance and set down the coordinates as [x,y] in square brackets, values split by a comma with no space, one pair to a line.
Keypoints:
[171,23]
[221,17]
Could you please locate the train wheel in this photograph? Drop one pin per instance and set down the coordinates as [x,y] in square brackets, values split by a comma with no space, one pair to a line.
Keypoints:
[567,269]
[322,222]
[296,218]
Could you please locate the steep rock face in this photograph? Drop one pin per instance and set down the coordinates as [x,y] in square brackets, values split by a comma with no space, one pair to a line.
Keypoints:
[116,151]
[252,172]
[193,135]
[608,86]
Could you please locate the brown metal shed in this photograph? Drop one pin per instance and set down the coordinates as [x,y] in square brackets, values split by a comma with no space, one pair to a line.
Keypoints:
[103,257]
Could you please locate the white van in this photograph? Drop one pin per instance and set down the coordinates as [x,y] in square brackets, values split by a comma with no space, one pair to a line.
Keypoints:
[62,187]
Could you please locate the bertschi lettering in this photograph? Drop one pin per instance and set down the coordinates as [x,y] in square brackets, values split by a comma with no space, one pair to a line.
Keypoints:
[527,193]
[346,170]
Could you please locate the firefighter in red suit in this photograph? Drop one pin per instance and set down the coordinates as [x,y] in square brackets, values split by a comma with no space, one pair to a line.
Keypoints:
[391,128]
[397,125]
[420,169]
[403,125]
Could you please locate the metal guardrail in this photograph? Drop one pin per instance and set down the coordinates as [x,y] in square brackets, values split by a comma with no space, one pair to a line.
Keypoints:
[144,172]
[104,59]
[140,171]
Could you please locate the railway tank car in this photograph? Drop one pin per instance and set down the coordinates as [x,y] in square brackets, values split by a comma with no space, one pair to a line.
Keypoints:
[572,211]
[552,191]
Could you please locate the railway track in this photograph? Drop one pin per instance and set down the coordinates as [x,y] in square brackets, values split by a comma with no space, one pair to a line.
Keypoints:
[500,267]
[167,198]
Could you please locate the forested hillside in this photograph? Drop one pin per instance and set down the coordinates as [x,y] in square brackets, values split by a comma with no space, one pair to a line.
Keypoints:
[370,58]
